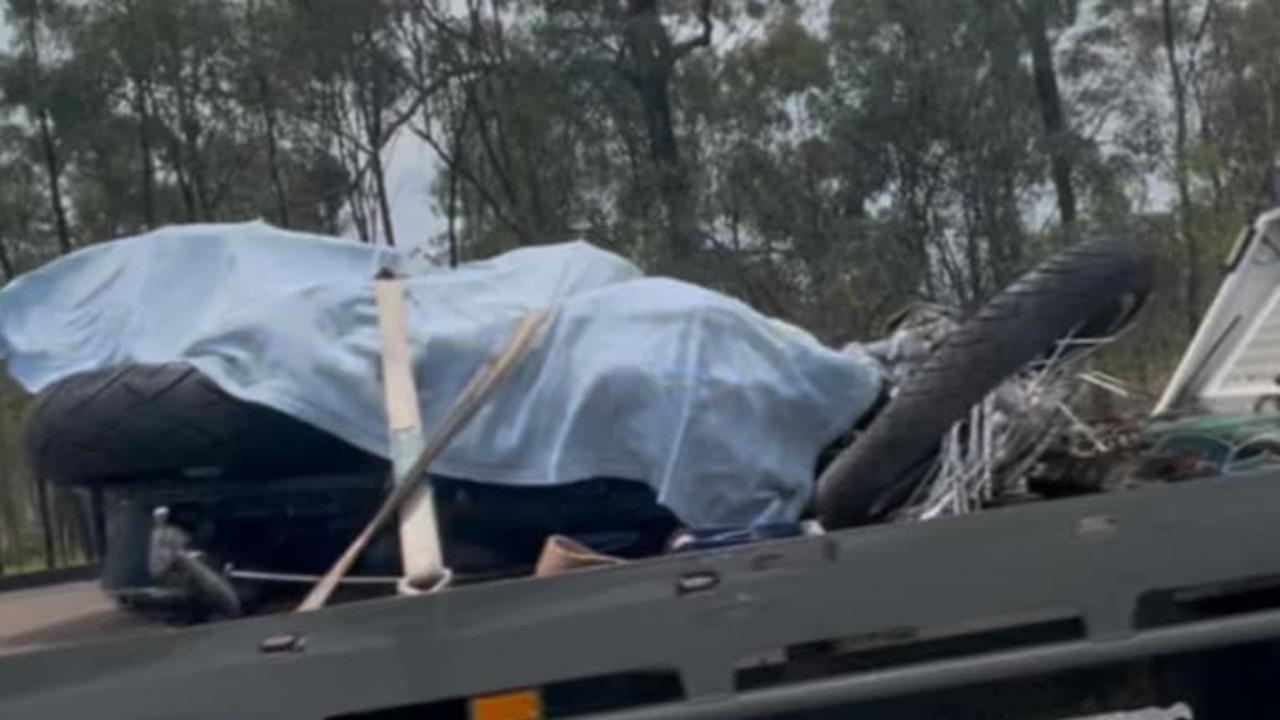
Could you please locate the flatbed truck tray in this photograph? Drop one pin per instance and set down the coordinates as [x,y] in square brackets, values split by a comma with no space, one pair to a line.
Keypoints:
[762,630]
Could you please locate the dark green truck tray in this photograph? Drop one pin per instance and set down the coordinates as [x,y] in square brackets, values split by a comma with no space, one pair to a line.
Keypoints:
[761,630]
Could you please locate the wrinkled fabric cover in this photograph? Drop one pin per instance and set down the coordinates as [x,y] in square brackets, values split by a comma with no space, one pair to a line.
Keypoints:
[722,410]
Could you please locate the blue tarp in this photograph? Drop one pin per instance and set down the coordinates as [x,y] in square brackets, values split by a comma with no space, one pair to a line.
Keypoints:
[722,410]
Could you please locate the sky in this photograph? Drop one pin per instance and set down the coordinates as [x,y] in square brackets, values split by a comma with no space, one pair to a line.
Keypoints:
[411,169]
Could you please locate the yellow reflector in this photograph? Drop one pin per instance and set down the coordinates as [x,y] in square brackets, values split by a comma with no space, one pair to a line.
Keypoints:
[514,705]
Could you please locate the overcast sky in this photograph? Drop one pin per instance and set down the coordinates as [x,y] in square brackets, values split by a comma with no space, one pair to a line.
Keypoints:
[411,167]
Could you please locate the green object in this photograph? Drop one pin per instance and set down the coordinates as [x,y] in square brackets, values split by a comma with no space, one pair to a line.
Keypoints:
[1230,444]
[1227,428]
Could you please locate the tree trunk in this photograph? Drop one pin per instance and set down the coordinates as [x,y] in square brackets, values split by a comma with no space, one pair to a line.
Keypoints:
[78,542]
[273,151]
[44,122]
[1190,243]
[652,63]
[1057,134]
[184,186]
[98,512]
[360,217]
[183,179]
[452,204]
[46,523]
[6,262]
[384,204]
[1215,171]
[673,183]
[375,139]
[54,171]
[453,219]
[497,152]
[270,124]
[198,182]
[147,169]
[354,190]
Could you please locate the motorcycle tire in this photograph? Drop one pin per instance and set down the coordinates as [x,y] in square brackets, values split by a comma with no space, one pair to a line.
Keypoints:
[1088,290]
[170,421]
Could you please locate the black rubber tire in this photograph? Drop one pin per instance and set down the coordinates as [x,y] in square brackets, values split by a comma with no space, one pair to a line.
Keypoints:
[150,421]
[1090,289]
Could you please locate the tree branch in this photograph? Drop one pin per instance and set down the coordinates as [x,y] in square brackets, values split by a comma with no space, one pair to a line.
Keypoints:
[1020,13]
[427,89]
[465,173]
[442,25]
[703,39]
[1203,26]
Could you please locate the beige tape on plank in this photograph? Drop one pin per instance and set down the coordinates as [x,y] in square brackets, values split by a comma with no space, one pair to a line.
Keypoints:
[422,561]
[398,386]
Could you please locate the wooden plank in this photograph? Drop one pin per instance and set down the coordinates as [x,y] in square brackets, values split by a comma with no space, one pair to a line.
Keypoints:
[422,560]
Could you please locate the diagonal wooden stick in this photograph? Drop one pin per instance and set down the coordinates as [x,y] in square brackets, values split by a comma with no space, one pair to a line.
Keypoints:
[470,400]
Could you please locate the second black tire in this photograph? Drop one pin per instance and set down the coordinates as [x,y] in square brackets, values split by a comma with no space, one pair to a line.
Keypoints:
[169,421]
[1087,290]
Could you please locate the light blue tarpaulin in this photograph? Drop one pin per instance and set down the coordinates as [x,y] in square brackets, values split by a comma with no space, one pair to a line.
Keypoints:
[722,410]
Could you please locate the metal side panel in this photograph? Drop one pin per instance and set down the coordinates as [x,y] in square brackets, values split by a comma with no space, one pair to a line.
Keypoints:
[1234,358]
[700,615]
